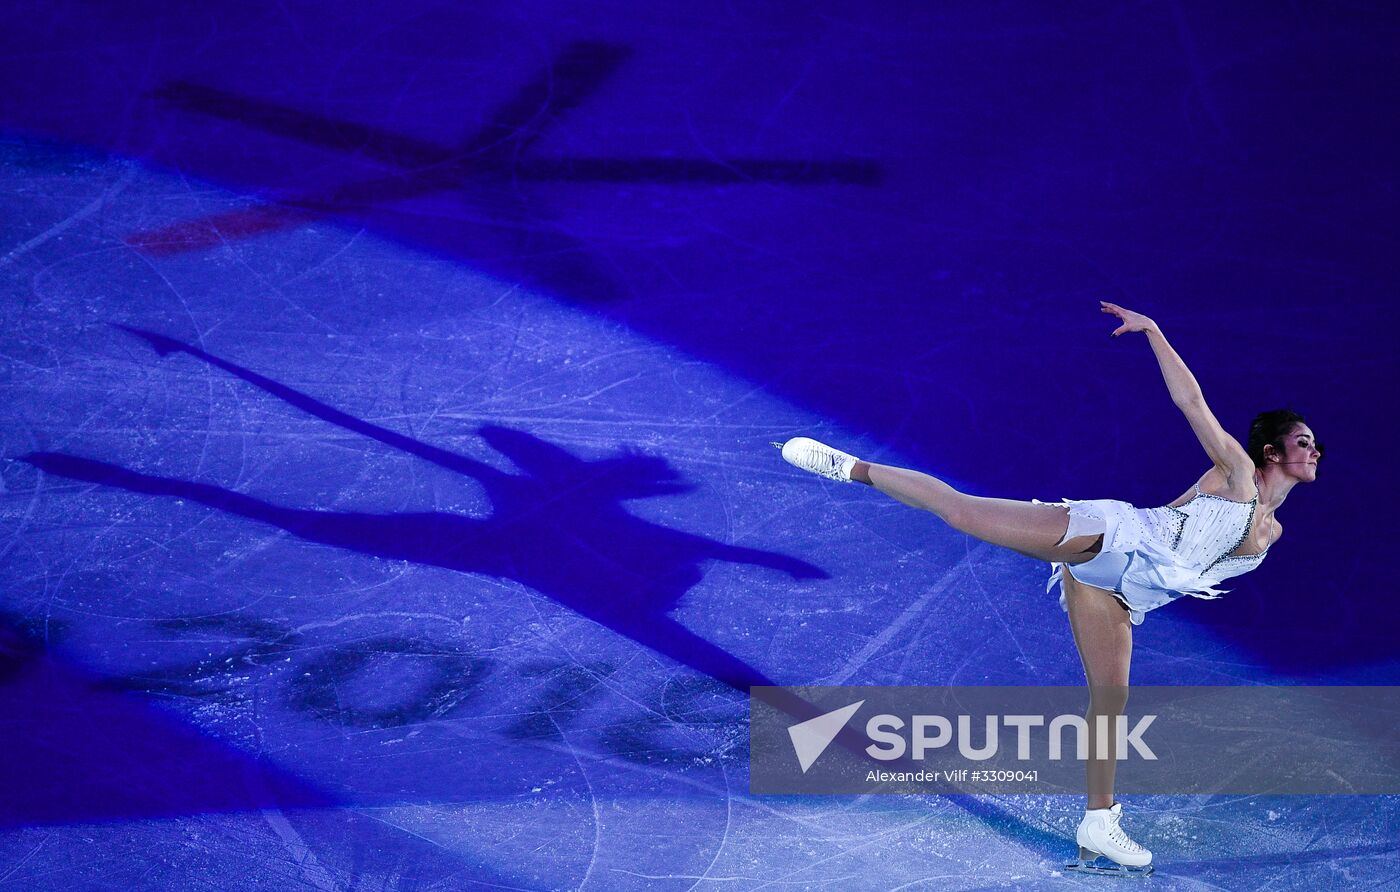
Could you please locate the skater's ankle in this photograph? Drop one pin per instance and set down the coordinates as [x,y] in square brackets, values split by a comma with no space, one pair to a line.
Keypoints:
[860,473]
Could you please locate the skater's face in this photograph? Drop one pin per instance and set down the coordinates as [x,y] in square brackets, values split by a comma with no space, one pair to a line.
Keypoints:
[1299,455]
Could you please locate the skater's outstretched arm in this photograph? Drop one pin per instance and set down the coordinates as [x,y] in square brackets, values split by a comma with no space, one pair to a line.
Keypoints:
[1224,451]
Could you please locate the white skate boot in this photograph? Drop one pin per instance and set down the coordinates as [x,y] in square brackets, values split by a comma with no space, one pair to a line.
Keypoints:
[1100,836]
[809,455]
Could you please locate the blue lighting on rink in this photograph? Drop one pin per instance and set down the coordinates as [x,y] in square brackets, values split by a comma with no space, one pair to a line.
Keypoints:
[386,496]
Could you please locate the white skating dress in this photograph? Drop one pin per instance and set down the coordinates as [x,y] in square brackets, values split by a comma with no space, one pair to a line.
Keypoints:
[1152,556]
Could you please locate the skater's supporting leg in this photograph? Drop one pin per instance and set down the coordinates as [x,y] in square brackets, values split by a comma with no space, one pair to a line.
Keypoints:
[1104,636]
[1024,527]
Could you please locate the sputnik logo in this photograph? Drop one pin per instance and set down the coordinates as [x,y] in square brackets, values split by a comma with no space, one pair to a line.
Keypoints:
[811,738]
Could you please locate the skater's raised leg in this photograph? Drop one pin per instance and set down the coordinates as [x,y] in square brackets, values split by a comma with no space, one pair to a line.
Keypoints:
[1024,527]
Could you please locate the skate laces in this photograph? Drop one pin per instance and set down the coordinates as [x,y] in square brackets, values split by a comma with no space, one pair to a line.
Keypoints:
[821,459]
[827,459]
[1116,834]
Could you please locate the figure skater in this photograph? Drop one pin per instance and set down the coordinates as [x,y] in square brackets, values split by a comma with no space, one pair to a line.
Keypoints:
[1113,561]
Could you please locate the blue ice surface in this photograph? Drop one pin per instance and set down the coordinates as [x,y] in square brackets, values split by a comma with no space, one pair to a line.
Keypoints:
[425,536]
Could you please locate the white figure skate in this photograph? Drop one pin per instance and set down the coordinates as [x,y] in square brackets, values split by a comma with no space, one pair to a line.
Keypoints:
[1099,836]
[819,458]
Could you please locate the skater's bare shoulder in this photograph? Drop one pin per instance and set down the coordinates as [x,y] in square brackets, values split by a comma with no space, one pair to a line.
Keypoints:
[1214,483]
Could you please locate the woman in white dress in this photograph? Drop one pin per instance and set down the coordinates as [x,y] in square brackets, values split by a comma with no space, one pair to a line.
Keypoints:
[1115,562]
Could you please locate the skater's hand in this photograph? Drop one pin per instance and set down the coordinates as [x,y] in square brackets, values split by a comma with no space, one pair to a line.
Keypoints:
[1131,321]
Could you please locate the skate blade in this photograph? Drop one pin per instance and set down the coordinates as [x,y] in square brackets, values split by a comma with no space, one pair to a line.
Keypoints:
[1093,862]
[1108,869]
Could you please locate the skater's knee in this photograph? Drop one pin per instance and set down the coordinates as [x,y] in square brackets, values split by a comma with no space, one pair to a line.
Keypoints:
[1108,699]
[949,512]
[953,508]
